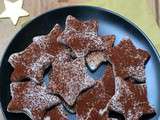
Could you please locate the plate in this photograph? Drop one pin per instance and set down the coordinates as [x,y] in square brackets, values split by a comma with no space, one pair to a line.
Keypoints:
[109,23]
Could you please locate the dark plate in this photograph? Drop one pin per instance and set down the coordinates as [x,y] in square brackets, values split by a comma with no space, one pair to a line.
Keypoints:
[109,23]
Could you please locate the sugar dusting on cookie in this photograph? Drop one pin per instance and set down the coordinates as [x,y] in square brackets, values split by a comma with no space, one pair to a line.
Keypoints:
[80,38]
[31,98]
[94,60]
[69,79]
[32,62]
[90,103]
[130,99]
[56,113]
[128,61]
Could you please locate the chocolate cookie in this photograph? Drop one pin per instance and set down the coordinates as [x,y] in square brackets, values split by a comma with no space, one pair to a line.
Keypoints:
[69,79]
[56,113]
[94,60]
[73,26]
[128,61]
[83,38]
[31,99]
[90,103]
[130,100]
[108,81]
[43,51]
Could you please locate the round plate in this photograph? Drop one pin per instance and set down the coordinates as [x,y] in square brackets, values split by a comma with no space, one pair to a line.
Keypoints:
[109,23]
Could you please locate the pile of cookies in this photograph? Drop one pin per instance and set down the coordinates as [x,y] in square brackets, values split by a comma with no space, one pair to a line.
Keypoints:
[71,54]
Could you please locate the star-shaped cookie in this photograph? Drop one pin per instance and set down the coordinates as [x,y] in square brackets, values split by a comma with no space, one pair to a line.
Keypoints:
[73,26]
[56,113]
[69,79]
[90,103]
[31,99]
[81,26]
[130,100]
[43,51]
[128,61]
[83,38]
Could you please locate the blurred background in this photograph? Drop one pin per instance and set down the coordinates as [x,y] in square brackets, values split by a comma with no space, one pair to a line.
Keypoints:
[155,5]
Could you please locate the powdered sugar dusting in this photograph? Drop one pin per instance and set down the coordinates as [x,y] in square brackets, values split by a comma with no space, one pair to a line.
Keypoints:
[62,112]
[87,42]
[82,37]
[47,118]
[119,87]
[56,113]
[40,38]
[128,61]
[12,58]
[128,93]
[94,59]
[37,68]
[81,26]
[32,98]
[88,114]
[91,102]
[69,79]
[42,41]
[32,62]
[137,72]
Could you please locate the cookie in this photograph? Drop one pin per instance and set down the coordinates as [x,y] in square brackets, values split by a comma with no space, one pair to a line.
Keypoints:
[128,61]
[73,25]
[90,103]
[108,81]
[94,60]
[31,99]
[69,79]
[81,39]
[130,100]
[43,51]
[56,113]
